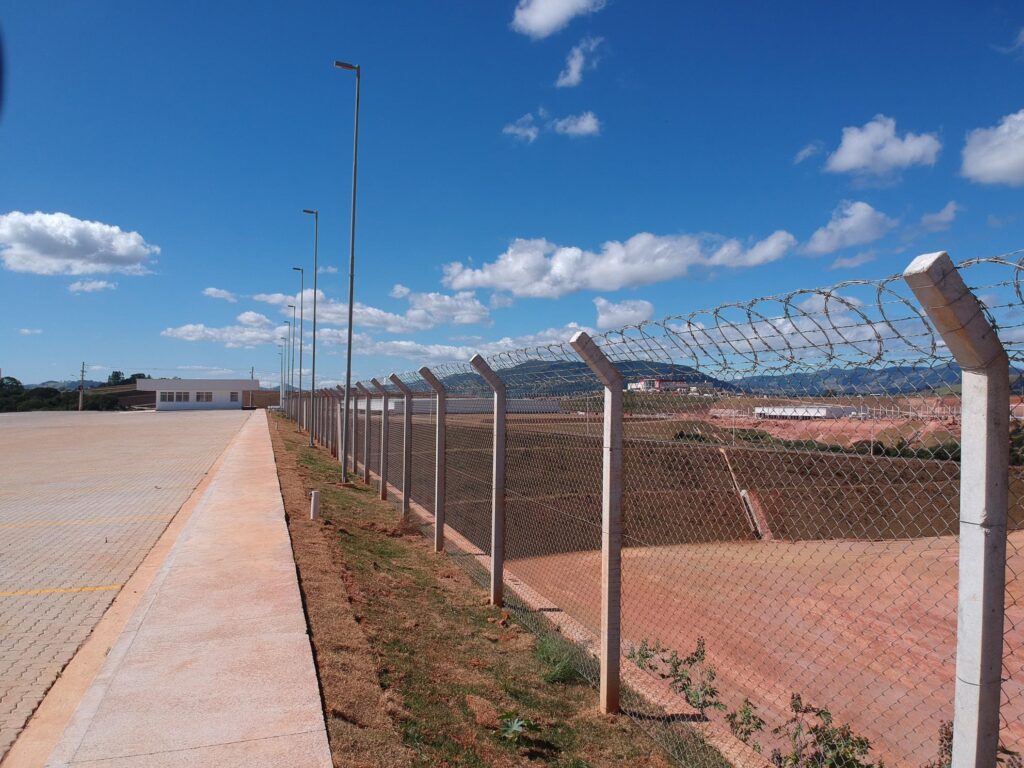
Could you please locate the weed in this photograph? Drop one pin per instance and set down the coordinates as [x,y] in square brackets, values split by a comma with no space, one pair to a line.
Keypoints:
[744,723]
[690,676]
[517,729]
[557,656]
[815,741]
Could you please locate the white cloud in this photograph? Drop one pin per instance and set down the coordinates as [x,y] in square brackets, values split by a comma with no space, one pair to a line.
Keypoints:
[540,18]
[220,293]
[629,312]
[732,253]
[852,223]
[500,301]
[582,56]
[30,331]
[91,286]
[1016,45]
[399,291]
[875,150]
[524,129]
[540,269]
[214,370]
[808,150]
[996,155]
[328,270]
[59,244]
[854,261]
[428,353]
[940,220]
[425,311]
[231,336]
[254,319]
[585,124]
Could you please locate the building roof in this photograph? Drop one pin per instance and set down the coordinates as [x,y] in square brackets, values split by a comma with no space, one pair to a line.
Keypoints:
[196,385]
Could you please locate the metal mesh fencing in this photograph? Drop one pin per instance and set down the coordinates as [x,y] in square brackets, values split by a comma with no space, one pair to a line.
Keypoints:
[790,517]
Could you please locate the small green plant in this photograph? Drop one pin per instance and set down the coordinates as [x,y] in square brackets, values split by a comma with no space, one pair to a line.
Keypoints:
[517,729]
[744,723]
[690,676]
[557,655]
[945,757]
[815,742]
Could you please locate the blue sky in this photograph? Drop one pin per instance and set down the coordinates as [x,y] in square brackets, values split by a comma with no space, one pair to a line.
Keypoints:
[524,167]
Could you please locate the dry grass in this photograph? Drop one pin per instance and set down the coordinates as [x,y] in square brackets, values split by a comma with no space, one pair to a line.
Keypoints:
[415,668]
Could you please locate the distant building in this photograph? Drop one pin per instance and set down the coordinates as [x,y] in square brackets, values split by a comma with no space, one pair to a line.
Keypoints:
[198,394]
[805,412]
[663,385]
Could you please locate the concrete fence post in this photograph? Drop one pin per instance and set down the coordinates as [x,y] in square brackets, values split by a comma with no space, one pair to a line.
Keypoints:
[314,505]
[384,419]
[984,478]
[354,431]
[337,430]
[406,440]
[439,458]
[366,430]
[611,518]
[497,480]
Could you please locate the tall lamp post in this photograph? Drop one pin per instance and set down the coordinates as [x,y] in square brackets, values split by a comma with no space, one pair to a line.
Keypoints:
[280,395]
[287,343]
[351,266]
[291,365]
[316,271]
[302,330]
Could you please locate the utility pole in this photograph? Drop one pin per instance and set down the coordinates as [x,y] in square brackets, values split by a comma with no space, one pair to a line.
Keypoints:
[252,372]
[81,387]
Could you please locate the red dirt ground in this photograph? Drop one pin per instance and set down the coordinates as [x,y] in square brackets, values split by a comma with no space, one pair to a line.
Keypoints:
[829,635]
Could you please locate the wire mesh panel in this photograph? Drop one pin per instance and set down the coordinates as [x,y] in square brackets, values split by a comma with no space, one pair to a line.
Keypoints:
[396,410]
[790,517]
[469,453]
[791,475]
[553,476]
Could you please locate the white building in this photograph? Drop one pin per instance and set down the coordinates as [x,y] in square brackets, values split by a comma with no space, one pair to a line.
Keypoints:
[805,412]
[662,385]
[197,394]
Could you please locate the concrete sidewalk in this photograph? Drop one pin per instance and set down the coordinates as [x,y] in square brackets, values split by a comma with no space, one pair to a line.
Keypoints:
[214,668]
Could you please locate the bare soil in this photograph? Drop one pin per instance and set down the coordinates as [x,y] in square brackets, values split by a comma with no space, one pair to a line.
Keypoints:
[415,669]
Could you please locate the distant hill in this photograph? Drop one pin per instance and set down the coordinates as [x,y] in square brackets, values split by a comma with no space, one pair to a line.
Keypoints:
[67,385]
[541,378]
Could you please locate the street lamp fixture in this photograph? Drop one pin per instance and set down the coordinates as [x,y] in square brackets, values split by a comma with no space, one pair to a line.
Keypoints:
[302,326]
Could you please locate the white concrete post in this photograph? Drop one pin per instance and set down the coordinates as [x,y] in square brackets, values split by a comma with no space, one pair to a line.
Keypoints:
[497,480]
[611,518]
[314,505]
[384,419]
[366,431]
[355,432]
[337,429]
[984,476]
[439,460]
[406,440]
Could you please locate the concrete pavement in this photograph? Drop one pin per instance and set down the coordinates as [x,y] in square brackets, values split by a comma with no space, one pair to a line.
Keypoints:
[214,667]
[83,497]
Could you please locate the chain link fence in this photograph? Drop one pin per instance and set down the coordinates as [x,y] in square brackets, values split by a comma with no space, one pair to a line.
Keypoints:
[790,511]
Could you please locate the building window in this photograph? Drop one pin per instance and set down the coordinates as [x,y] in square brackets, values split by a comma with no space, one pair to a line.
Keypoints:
[234,397]
[204,397]
[181,397]
[164,397]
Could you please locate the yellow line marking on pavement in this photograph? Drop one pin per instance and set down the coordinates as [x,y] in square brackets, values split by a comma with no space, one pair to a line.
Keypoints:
[60,590]
[82,521]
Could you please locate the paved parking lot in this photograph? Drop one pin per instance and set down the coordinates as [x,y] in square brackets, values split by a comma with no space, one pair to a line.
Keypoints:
[83,497]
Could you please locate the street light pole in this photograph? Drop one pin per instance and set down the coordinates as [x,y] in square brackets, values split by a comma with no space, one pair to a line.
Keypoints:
[291,368]
[302,330]
[351,266]
[316,271]
[280,388]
